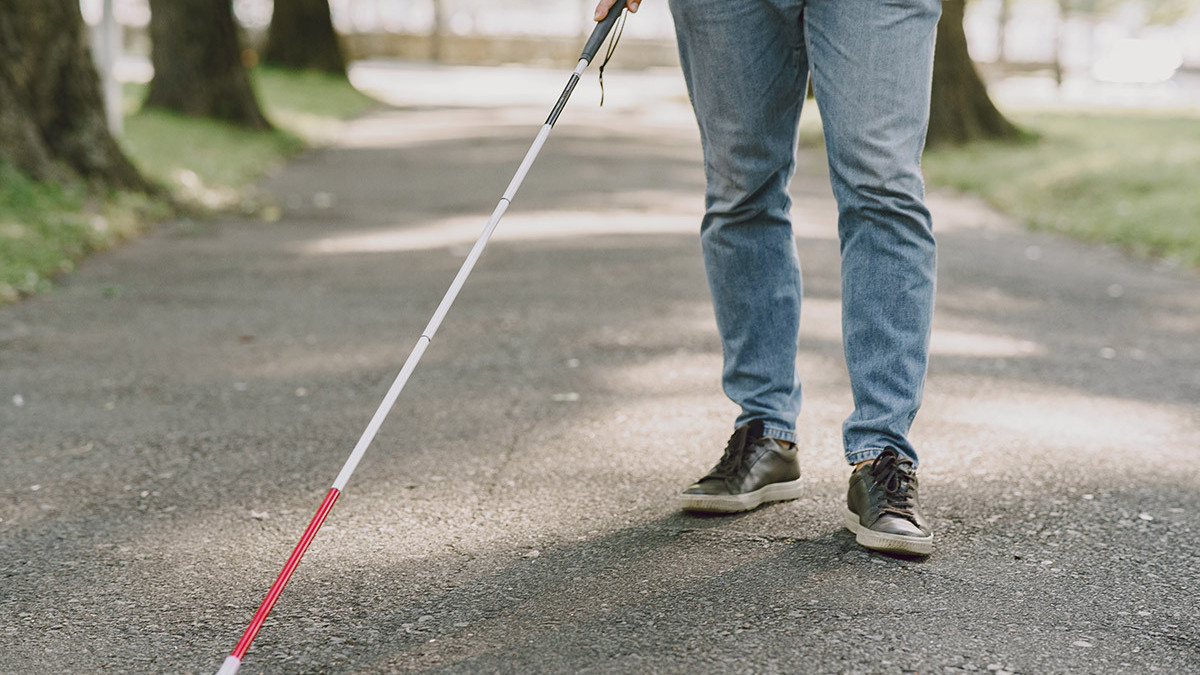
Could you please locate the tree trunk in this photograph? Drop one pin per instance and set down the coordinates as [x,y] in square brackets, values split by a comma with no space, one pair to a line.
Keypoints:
[52,120]
[197,61]
[1002,31]
[437,30]
[960,110]
[301,37]
[1064,10]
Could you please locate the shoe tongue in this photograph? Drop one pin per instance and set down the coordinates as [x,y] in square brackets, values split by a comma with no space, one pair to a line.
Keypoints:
[754,430]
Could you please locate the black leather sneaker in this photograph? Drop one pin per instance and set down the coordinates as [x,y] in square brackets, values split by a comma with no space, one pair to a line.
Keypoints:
[753,470]
[882,509]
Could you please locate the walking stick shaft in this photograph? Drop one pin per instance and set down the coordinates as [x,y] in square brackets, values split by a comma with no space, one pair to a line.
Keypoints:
[234,660]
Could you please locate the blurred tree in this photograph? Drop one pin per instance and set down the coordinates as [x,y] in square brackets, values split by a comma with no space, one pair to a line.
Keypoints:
[52,121]
[1168,11]
[436,30]
[1002,31]
[1092,11]
[960,109]
[302,37]
[197,61]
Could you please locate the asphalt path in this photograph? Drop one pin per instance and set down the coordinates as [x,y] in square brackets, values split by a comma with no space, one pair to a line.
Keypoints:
[172,414]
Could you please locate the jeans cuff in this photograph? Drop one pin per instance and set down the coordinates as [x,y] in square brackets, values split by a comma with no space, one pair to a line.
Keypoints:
[779,434]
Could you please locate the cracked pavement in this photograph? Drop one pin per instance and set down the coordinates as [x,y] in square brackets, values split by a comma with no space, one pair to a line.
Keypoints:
[171,416]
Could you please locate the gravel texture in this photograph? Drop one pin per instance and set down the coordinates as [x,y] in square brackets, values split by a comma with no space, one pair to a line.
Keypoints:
[171,416]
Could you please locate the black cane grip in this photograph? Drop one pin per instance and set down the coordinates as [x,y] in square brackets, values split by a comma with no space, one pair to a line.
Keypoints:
[601,31]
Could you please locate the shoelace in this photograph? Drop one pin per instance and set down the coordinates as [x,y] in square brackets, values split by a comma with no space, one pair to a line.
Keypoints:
[894,476]
[731,460]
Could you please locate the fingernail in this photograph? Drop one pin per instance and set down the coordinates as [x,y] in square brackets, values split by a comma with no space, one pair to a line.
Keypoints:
[633,6]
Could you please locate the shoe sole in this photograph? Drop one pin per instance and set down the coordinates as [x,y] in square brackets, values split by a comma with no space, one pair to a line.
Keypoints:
[775,492]
[884,541]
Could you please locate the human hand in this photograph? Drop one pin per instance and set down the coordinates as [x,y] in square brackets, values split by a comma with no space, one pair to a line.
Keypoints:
[603,6]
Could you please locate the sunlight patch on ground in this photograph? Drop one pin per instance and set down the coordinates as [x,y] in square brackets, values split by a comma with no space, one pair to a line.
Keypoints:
[405,84]
[954,343]
[956,212]
[1064,418]
[821,318]
[681,372]
[813,219]
[517,227]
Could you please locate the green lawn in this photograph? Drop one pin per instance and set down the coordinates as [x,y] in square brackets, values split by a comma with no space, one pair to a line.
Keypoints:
[1123,178]
[209,164]
[45,228]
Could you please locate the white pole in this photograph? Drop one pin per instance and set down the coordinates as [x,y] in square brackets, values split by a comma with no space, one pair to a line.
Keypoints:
[234,660]
[110,48]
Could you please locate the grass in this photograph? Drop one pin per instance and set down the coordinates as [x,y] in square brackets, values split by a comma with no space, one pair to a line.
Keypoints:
[1122,178]
[308,103]
[205,165]
[209,164]
[46,227]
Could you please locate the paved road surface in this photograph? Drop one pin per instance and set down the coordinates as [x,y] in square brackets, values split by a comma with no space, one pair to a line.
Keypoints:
[172,415]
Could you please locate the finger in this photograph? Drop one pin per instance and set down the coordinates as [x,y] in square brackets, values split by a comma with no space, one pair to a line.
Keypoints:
[602,8]
[604,5]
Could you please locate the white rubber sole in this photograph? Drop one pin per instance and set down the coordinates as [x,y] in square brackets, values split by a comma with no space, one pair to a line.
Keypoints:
[882,541]
[775,492]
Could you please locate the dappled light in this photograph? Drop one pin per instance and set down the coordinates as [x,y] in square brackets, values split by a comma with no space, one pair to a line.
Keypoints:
[172,410]
[1138,61]
[517,227]
[1063,419]
[982,345]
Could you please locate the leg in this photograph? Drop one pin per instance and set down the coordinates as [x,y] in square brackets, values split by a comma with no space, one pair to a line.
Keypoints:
[746,72]
[872,62]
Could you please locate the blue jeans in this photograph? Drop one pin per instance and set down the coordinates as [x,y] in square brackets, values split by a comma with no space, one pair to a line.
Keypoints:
[747,64]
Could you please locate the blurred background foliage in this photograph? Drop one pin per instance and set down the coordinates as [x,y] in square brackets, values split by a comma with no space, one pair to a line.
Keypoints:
[1104,95]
